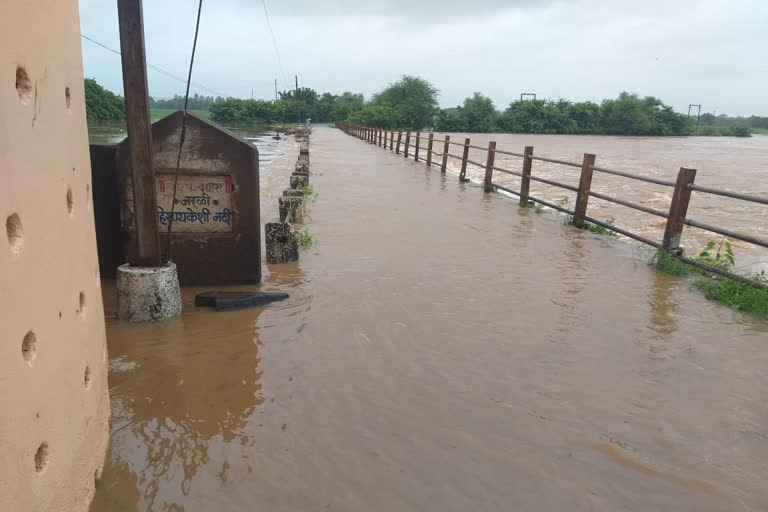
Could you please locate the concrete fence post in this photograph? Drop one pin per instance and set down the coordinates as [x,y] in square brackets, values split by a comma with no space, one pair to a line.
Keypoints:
[429,149]
[678,209]
[525,181]
[399,136]
[489,166]
[416,149]
[464,158]
[446,147]
[582,196]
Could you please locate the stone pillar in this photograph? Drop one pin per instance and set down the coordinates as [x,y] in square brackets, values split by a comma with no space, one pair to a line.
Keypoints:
[147,294]
[291,209]
[282,242]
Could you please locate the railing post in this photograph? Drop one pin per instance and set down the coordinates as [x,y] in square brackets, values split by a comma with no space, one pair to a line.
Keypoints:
[407,143]
[392,140]
[385,139]
[678,210]
[446,147]
[489,166]
[399,137]
[525,181]
[582,196]
[416,151]
[429,149]
[379,138]
[464,158]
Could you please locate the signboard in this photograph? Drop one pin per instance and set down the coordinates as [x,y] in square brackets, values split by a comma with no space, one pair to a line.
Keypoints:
[203,203]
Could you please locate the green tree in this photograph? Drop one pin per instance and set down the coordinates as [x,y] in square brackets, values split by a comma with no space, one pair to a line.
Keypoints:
[537,116]
[101,104]
[378,116]
[414,98]
[447,121]
[478,114]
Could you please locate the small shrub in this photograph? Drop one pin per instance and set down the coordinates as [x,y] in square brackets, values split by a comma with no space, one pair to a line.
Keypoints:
[741,131]
[305,238]
[309,192]
[722,260]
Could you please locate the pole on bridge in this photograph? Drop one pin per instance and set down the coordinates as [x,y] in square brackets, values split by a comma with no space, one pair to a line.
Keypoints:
[464,158]
[407,143]
[416,149]
[582,196]
[399,137]
[138,124]
[429,149]
[489,166]
[446,147]
[525,180]
[678,210]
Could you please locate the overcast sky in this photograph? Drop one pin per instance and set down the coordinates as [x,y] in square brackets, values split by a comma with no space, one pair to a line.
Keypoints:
[713,52]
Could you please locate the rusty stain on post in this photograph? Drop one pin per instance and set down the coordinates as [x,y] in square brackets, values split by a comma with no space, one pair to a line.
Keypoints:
[429,149]
[678,209]
[582,196]
[138,124]
[446,147]
[489,166]
[525,181]
[464,158]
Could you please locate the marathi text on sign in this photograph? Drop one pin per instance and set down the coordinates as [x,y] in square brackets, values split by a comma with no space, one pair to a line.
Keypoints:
[203,204]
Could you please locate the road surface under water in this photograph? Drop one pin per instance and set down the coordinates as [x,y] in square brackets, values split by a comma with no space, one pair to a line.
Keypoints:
[442,350]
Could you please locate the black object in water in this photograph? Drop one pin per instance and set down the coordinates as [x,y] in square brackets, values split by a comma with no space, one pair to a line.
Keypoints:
[226,301]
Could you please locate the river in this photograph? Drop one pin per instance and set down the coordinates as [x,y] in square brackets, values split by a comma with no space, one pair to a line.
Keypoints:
[445,350]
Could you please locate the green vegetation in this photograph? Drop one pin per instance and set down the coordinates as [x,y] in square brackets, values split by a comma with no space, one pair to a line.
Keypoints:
[159,113]
[101,104]
[309,192]
[305,238]
[626,115]
[725,131]
[195,103]
[600,230]
[733,293]
[737,294]
[319,108]
[754,123]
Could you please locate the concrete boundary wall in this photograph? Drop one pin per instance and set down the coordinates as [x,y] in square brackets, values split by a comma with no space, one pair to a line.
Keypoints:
[53,357]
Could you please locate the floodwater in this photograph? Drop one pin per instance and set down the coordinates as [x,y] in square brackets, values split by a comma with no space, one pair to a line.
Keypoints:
[730,163]
[260,136]
[442,350]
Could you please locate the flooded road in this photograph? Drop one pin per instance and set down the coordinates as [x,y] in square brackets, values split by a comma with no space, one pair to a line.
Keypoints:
[442,350]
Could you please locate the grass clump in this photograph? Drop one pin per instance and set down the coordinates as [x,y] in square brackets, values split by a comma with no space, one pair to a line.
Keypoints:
[668,264]
[305,238]
[309,192]
[600,230]
[736,294]
[536,207]
[731,292]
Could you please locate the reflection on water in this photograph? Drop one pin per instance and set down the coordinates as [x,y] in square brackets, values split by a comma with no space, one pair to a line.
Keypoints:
[442,350]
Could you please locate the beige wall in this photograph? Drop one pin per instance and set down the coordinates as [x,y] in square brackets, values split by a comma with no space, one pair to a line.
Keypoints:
[53,387]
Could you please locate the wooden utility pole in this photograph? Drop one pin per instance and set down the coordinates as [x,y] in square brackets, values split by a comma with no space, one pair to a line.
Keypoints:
[139,131]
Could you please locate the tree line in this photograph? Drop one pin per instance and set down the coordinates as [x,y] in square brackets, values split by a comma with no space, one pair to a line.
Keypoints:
[292,107]
[411,103]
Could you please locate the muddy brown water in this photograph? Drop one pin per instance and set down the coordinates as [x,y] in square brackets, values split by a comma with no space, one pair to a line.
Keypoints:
[441,350]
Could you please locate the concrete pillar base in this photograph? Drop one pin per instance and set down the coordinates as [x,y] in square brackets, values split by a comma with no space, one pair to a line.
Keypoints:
[147,294]
[291,209]
[299,180]
[282,243]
